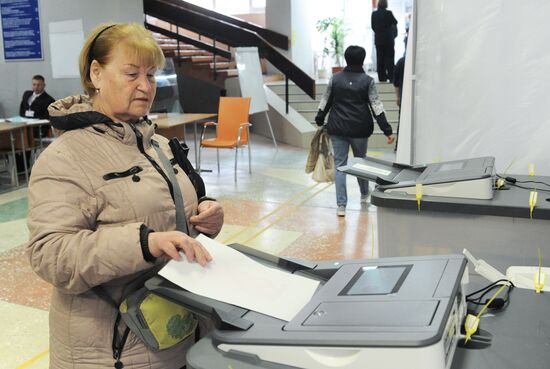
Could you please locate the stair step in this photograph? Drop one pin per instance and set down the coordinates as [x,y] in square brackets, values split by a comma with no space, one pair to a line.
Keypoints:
[174,46]
[229,72]
[195,52]
[211,66]
[224,65]
[202,59]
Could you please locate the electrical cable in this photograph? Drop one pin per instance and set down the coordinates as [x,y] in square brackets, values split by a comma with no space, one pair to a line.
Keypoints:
[513,181]
[497,303]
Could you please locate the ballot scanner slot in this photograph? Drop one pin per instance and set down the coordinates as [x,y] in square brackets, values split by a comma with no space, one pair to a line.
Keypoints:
[225,316]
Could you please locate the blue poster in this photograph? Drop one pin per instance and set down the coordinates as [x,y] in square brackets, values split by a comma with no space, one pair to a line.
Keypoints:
[21,29]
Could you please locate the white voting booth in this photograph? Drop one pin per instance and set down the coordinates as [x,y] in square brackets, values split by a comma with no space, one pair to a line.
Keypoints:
[475,84]
[251,81]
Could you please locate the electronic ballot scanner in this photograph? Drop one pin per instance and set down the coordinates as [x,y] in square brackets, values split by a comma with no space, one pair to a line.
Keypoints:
[469,178]
[384,313]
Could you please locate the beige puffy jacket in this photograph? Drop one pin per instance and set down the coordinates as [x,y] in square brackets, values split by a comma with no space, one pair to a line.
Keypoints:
[85,231]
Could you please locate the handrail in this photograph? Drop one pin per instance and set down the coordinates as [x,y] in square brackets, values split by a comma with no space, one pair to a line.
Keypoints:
[203,45]
[275,38]
[228,34]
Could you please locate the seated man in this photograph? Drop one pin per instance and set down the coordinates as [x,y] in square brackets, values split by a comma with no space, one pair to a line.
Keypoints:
[35,102]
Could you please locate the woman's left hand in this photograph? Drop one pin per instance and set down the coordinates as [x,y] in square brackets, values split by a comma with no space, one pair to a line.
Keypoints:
[209,219]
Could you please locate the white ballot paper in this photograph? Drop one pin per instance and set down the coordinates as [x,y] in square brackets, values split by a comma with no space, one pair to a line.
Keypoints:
[236,279]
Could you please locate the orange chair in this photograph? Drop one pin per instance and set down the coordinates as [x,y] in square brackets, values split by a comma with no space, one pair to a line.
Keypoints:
[232,129]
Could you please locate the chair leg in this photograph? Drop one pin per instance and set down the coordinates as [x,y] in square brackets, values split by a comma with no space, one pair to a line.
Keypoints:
[12,170]
[249,158]
[218,158]
[236,155]
[199,163]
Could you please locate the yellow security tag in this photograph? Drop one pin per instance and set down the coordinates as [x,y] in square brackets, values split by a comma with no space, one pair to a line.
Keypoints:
[531,169]
[540,281]
[540,276]
[500,183]
[418,194]
[472,322]
[532,202]
[470,326]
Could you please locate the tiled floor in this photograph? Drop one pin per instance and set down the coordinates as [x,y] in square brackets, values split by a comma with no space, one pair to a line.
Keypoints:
[277,209]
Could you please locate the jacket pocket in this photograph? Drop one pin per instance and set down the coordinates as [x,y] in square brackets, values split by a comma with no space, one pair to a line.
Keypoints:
[130,172]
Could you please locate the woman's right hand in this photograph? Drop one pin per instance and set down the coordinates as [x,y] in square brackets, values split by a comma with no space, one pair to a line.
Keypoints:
[168,244]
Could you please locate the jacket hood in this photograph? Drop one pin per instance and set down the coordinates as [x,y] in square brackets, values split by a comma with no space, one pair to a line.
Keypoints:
[75,112]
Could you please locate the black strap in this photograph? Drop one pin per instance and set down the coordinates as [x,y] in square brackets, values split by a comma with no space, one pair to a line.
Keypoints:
[181,220]
[118,345]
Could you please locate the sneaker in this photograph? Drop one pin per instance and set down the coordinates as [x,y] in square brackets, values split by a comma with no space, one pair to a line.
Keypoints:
[341,211]
[364,199]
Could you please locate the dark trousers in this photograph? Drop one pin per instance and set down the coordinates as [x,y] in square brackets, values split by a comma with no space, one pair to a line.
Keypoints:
[385,55]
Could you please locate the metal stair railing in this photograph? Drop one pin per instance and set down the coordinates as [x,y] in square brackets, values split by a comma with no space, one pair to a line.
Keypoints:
[229,34]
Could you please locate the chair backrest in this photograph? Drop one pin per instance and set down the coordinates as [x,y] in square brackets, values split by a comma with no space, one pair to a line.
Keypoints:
[233,111]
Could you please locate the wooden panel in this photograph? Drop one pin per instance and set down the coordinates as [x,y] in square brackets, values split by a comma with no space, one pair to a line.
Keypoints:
[5,139]
[172,132]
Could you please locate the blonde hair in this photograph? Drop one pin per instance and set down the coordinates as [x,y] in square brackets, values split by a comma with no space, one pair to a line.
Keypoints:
[102,41]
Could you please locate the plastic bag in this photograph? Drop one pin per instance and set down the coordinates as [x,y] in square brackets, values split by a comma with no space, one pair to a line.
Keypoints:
[324,169]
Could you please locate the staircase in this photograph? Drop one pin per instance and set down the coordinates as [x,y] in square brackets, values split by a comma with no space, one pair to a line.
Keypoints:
[201,43]
[307,106]
[197,61]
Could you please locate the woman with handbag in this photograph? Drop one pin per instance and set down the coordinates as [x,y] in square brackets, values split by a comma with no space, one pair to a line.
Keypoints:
[103,206]
[350,96]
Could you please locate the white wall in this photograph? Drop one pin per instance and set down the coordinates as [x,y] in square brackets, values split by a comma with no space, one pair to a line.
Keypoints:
[302,27]
[16,76]
[278,19]
[481,83]
[293,19]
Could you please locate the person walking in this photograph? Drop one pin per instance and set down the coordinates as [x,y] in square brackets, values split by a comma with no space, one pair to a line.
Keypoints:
[350,96]
[384,25]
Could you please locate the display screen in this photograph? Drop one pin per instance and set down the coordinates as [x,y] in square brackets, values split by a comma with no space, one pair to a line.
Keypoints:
[377,280]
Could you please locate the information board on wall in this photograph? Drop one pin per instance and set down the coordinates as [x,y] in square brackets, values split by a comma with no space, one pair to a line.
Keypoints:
[21,29]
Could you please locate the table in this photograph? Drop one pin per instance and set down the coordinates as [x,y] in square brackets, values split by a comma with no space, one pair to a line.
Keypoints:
[499,230]
[520,335]
[10,128]
[168,124]
[39,123]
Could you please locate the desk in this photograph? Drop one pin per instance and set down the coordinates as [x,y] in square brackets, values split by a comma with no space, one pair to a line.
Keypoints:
[167,125]
[9,128]
[520,335]
[39,123]
[497,230]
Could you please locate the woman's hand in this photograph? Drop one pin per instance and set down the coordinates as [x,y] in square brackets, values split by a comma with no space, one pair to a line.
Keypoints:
[209,219]
[168,244]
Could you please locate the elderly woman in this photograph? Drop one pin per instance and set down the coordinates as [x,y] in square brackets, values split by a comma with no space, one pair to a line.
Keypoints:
[101,206]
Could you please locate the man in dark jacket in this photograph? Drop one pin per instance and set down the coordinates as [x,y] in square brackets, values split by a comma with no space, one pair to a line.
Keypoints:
[348,96]
[384,25]
[35,102]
